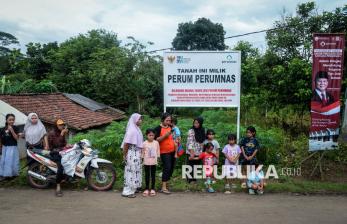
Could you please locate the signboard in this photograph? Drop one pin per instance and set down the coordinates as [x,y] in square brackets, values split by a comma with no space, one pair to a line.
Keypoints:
[328,53]
[202,78]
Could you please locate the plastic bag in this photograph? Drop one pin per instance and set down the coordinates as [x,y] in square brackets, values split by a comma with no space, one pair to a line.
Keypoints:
[69,160]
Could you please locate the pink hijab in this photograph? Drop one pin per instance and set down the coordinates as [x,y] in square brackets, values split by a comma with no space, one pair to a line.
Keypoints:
[133,134]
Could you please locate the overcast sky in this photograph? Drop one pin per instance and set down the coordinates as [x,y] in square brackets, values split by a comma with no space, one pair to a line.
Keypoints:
[147,20]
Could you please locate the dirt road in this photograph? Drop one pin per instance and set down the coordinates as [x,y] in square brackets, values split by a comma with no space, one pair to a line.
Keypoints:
[26,206]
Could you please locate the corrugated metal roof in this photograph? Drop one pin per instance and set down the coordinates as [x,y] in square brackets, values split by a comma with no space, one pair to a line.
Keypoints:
[95,106]
[85,102]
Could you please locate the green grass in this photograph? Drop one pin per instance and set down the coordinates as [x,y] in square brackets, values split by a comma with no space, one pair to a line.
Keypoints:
[309,187]
[177,184]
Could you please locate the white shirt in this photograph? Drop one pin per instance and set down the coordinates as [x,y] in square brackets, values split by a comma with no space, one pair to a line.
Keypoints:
[320,94]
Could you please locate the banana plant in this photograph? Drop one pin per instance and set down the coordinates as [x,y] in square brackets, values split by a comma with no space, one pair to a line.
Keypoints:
[3,84]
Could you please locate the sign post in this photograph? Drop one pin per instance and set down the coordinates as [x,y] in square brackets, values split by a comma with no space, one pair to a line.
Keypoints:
[203,79]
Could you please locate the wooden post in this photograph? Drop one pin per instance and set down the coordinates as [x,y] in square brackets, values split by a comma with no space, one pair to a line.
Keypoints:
[319,164]
[308,157]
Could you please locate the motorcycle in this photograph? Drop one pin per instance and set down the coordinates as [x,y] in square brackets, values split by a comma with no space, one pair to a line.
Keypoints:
[79,161]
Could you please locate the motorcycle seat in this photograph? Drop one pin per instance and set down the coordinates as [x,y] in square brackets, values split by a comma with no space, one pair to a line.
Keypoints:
[46,154]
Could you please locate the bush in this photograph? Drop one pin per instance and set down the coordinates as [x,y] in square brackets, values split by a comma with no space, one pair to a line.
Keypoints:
[276,146]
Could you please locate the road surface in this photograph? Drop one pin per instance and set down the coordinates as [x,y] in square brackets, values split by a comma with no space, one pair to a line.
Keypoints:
[26,206]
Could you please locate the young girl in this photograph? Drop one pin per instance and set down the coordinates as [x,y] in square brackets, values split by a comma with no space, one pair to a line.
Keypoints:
[150,154]
[250,147]
[35,134]
[210,139]
[207,158]
[232,153]
[9,163]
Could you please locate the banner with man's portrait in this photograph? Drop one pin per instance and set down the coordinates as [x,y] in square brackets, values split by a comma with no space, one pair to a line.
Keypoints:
[328,53]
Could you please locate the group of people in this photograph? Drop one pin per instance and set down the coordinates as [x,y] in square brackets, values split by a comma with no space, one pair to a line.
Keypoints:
[202,148]
[163,141]
[37,139]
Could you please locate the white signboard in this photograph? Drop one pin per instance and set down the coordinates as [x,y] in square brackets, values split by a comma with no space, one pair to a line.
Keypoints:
[202,78]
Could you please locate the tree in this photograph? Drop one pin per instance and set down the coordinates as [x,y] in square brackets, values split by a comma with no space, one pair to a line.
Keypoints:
[74,61]
[145,78]
[12,62]
[6,39]
[38,58]
[292,36]
[94,65]
[200,35]
[27,86]
[287,62]
[250,66]
[9,58]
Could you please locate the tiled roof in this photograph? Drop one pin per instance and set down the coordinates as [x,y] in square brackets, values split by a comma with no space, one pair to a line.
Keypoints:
[51,107]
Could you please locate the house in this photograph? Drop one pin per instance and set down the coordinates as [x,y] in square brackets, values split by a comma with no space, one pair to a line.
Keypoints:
[53,106]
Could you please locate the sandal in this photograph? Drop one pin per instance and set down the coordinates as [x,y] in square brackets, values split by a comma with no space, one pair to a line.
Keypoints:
[153,193]
[210,190]
[145,193]
[58,193]
[166,191]
[129,196]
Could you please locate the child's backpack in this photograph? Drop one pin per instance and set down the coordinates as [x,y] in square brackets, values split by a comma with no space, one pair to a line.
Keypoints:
[180,150]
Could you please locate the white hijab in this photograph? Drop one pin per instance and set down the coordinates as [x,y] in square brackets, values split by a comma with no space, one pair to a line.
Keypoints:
[133,134]
[34,132]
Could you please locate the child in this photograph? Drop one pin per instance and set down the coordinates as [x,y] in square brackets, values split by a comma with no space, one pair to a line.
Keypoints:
[249,147]
[210,139]
[232,153]
[255,182]
[9,162]
[208,161]
[176,134]
[150,154]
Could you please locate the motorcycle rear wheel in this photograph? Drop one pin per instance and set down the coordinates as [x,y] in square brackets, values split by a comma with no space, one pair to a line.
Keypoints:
[39,169]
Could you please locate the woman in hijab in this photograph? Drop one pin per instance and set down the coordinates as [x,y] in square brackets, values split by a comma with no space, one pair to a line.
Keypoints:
[132,146]
[196,137]
[35,133]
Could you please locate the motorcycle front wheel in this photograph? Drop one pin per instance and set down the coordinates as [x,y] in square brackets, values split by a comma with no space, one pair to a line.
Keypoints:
[102,178]
[41,170]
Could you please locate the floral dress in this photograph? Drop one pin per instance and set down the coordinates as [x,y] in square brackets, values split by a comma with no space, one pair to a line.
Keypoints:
[132,171]
[193,144]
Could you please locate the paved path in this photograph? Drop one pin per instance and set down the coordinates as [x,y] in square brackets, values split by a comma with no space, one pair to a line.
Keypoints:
[26,206]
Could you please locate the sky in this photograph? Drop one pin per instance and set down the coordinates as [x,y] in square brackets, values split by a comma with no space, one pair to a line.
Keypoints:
[147,20]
